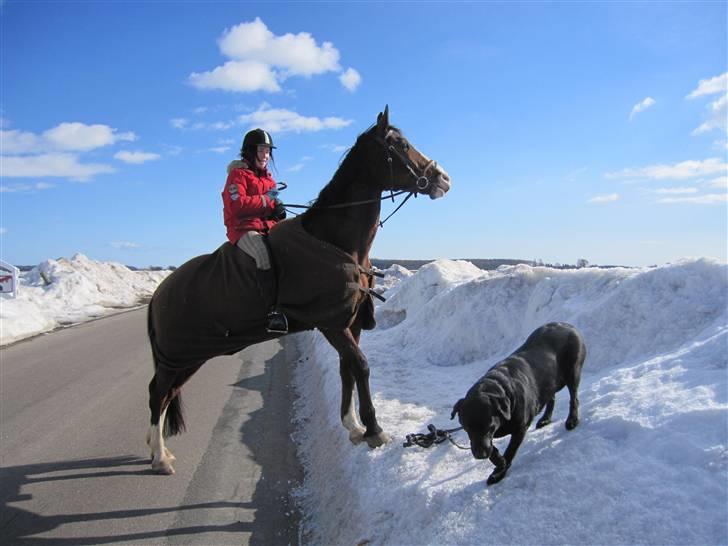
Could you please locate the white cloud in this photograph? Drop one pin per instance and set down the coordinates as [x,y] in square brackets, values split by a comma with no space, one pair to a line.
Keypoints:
[719,182]
[18,142]
[3,230]
[260,61]
[641,106]
[242,76]
[676,191]
[678,171]
[609,198]
[718,109]
[717,116]
[179,123]
[278,120]
[718,84]
[124,245]
[135,157]
[709,199]
[336,148]
[25,188]
[295,168]
[219,149]
[350,79]
[296,54]
[79,137]
[53,164]
[65,137]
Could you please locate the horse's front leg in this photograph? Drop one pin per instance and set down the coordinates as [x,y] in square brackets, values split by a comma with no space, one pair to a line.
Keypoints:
[349,417]
[352,362]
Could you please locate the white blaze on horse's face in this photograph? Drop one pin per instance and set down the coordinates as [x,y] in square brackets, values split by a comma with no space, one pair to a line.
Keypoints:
[440,180]
[432,178]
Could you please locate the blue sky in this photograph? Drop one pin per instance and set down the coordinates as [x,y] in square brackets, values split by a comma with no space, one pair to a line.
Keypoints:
[570,130]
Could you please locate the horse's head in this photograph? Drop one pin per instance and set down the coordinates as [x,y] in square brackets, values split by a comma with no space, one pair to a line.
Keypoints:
[409,169]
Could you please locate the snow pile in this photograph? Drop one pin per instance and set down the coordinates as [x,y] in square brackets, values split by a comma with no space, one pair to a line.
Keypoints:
[647,465]
[63,291]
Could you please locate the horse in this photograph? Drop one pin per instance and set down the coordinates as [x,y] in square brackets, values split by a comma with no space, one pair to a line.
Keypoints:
[191,319]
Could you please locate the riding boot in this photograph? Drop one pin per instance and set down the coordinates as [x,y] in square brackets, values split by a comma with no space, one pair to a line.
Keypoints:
[277,321]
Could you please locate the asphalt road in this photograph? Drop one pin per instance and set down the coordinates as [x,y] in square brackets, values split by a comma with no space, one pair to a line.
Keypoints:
[74,465]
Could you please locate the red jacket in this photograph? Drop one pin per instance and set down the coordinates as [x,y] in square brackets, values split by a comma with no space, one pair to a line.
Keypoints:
[245,205]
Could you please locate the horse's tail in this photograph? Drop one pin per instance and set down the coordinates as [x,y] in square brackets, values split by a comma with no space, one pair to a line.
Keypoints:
[174,422]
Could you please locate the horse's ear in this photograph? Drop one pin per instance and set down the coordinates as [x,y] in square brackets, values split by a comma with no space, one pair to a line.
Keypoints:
[383,120]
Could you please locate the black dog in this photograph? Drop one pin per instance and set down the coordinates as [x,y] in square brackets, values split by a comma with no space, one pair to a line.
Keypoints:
[507,398]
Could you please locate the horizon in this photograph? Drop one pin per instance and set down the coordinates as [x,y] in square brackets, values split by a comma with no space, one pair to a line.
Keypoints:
[571,131]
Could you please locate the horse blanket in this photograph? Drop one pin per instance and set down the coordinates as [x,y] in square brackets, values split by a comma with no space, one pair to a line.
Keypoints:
[211,305]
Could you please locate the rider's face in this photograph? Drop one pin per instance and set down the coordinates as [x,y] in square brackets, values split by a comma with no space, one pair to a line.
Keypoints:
[262,156]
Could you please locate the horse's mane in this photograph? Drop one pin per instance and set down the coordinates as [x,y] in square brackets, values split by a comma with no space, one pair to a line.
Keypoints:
[349,166]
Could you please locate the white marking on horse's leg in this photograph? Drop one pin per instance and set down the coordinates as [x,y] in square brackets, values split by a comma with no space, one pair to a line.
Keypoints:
[378,439]
[352,423]
[161,460]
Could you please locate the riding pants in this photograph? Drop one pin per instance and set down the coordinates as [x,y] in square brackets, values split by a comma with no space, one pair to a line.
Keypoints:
[253,244]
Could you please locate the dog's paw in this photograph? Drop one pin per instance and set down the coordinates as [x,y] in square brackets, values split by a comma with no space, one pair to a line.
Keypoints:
[542,423]
[497,475]
[571,423]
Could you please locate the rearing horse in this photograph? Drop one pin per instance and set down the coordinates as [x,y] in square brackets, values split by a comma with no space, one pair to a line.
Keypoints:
[191,319]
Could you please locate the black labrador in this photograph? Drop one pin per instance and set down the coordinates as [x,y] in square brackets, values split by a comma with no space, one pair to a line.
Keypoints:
[507,398]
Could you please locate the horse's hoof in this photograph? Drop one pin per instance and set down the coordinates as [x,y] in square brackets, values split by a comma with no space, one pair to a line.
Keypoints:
[378,440]
[356,437]
[170,457]
[163,467]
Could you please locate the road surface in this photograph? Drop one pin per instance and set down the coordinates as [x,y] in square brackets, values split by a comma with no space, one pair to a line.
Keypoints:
[74,466]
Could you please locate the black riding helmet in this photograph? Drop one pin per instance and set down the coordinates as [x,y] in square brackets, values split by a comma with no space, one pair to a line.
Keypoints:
[257,137]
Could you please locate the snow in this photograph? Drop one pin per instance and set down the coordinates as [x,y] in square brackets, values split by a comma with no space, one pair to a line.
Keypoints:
[66,291]
[648,463]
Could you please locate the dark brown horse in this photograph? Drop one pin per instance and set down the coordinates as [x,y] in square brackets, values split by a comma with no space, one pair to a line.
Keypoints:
[191,318]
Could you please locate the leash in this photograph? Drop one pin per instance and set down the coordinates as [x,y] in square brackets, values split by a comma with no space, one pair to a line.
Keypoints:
[436,436]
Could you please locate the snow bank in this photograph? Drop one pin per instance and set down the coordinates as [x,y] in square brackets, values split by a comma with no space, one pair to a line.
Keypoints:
[647,465]
[63,291]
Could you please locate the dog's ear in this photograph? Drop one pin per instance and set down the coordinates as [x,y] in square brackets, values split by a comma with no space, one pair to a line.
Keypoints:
[456,408]
[504,407]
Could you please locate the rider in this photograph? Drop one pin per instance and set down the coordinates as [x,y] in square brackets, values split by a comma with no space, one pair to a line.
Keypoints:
[250,208]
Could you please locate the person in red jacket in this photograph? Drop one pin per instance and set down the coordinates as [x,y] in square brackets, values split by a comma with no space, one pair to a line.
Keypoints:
[250,208]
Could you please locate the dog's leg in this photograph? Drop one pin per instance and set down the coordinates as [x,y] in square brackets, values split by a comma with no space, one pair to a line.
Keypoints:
[501,470]
[573,419]
[546,417]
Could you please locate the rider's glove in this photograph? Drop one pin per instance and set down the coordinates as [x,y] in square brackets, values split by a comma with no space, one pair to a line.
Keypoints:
[279,210]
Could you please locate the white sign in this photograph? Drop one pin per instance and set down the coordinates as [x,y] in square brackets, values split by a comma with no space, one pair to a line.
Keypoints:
[8,278]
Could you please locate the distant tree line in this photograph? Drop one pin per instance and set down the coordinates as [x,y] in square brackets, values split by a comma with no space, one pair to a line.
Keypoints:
[486,263]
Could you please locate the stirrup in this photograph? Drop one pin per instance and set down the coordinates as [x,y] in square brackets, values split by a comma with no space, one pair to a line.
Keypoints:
[277,323]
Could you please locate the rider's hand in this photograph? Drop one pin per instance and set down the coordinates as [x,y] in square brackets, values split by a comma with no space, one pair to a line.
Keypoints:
[279,211]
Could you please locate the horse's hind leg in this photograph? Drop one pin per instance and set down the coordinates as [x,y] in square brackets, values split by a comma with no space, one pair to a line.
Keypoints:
[160,393]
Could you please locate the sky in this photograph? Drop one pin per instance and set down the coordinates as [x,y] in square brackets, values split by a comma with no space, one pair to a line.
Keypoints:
[650,451]
[570,130]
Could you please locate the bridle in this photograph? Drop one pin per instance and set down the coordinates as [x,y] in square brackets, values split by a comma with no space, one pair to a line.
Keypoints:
[422,180]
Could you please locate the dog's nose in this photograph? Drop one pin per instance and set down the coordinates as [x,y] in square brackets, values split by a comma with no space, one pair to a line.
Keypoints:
[479,453]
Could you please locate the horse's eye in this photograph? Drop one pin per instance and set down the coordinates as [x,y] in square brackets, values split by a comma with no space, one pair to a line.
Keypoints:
[405,147]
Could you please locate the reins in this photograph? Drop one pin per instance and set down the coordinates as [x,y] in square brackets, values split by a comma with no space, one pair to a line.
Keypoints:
[436,436]
[421,182]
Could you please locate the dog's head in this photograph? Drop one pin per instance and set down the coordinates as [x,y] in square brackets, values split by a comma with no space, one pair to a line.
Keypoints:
[481,413]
